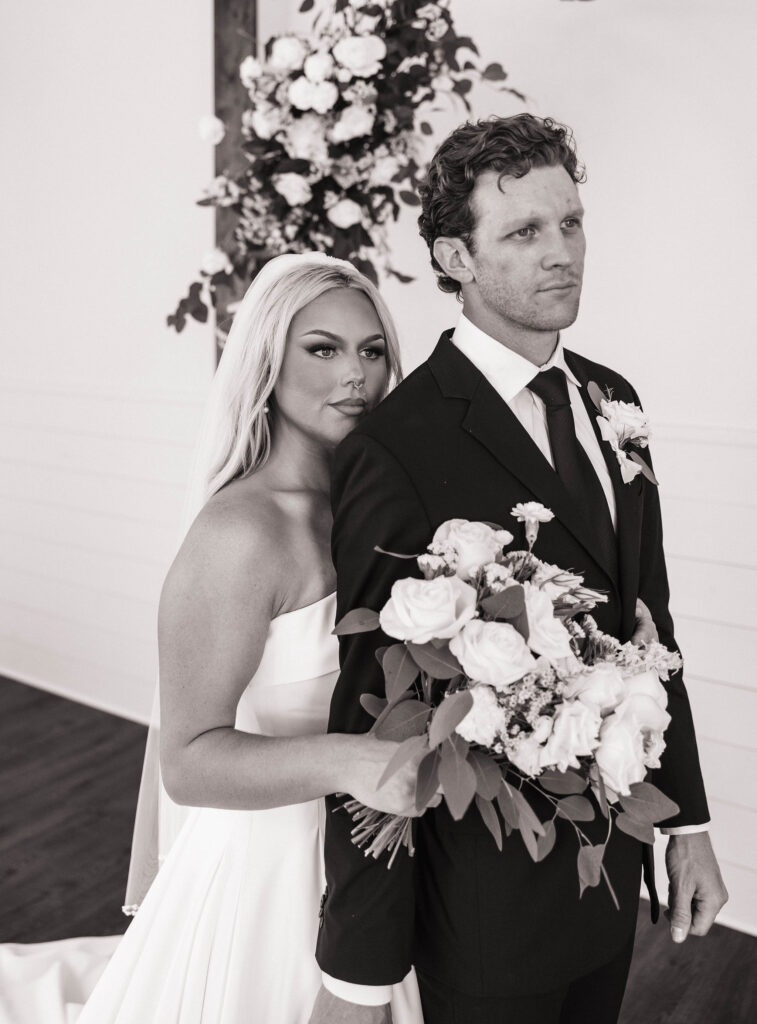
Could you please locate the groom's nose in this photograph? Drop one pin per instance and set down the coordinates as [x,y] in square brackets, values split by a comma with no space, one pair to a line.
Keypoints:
[560,252]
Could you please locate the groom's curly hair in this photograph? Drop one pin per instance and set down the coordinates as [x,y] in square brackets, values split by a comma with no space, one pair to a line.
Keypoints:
[510,145]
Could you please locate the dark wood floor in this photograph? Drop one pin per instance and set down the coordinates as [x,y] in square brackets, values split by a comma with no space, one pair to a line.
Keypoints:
[68,783]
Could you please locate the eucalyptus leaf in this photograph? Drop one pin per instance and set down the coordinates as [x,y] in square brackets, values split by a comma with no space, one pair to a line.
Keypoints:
[527,819]
[645,469]
[637,829]
[428,780]
[575,808]
[595,394]
[506,605]
[408,749]
[647,804]
[448,715]
[531,843]
[458,781]
[359,620]
[400,671]
[590,866]
[398,721]
[562,783]
[439,663]
[545,843]
[488,774]
[490,819]
[373,704]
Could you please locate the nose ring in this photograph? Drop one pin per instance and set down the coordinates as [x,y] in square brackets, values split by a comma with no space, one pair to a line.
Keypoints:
[358,385]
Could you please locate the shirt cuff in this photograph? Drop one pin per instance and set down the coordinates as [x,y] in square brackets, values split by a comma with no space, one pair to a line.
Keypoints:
[362,995]
[686,830]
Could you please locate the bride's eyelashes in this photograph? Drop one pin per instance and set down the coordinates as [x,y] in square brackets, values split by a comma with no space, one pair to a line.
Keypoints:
[371,352]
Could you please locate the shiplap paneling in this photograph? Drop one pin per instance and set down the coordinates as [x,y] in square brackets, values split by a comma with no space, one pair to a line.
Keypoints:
[91,486]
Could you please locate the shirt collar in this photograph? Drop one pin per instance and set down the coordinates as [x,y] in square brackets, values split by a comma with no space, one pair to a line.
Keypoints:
[507,371]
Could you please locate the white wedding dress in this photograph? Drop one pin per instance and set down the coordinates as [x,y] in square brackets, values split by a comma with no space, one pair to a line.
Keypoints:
[227,932]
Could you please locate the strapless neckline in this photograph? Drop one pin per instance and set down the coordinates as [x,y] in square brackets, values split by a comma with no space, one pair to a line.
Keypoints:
[304,607]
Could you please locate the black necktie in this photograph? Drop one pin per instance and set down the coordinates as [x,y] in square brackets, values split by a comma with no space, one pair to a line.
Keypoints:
[571,462]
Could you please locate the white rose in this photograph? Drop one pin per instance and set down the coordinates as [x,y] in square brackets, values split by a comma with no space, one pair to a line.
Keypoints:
[647,683]
[288,53]
[602,686]
[249,71]
[546,634]
[345,213]
[360,55]
[527,750]
[306,95]
[383,170]
[211,129]
[215,261]
[474,544]
[627,420]
[485,720]
[419,610]
[492,652]
[620,754]
[304,139]
[353,122]
[293,187]
[575,728]
[319,66]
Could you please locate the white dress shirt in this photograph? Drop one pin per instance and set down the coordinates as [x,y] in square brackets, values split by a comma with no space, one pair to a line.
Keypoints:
[509,374]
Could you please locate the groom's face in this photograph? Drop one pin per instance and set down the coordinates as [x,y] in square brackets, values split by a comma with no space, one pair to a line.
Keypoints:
[528,248]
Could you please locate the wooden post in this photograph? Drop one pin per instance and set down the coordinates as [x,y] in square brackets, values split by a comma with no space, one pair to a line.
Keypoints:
[235,37]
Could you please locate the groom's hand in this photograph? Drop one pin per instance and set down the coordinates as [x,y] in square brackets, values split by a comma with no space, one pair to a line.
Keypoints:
[696,893]
[645,630]
[329,1009]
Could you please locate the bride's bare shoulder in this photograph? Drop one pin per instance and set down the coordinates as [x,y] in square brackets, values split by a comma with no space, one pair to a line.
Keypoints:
[234,546]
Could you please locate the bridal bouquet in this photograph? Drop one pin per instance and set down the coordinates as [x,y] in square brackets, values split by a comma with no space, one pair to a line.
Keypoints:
[505,685]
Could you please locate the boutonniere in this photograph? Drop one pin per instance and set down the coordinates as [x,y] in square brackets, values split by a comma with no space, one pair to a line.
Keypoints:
[624,426]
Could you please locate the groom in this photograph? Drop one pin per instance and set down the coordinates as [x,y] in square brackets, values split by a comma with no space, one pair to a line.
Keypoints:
[500,414]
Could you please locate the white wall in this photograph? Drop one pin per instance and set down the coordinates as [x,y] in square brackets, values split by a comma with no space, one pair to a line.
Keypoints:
[660,94]
[98,399]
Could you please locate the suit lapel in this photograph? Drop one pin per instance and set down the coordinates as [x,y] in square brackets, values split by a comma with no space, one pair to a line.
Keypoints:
[493,424]
[627,500]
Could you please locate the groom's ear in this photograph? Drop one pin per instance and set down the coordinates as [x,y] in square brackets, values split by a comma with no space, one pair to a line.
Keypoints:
[453,257]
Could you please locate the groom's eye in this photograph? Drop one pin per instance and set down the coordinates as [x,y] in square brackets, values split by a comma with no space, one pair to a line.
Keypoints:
[573,223]
[527,232]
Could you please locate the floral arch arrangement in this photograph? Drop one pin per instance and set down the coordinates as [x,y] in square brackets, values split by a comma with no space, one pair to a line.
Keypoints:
[331,137]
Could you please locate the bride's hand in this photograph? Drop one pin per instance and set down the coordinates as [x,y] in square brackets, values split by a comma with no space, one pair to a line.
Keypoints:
[368,761]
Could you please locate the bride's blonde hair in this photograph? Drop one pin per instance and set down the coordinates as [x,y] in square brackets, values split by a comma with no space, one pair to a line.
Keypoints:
[237,429]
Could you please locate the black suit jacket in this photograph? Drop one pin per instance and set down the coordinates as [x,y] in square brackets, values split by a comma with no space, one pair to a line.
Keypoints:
[444,445]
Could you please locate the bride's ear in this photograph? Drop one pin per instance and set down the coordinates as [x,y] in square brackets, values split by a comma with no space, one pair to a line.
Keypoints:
[453,257]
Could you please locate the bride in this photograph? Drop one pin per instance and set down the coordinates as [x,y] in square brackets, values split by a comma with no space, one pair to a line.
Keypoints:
[227,931]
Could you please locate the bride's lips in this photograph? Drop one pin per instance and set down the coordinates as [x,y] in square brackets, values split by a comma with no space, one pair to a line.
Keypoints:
[351,406]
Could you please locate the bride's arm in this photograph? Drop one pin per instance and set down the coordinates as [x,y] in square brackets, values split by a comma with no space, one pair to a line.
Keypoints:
[217,604]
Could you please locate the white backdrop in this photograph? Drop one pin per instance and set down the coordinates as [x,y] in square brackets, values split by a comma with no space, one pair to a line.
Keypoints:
[99,401]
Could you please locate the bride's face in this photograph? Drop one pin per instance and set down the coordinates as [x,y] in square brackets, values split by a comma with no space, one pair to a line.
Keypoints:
[334,368]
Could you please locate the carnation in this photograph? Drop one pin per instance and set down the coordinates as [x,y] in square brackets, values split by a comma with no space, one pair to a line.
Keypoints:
[485,721]
[288,53]
[360,55]
[383,171]
[533,511]
[293,187]
[345,214]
